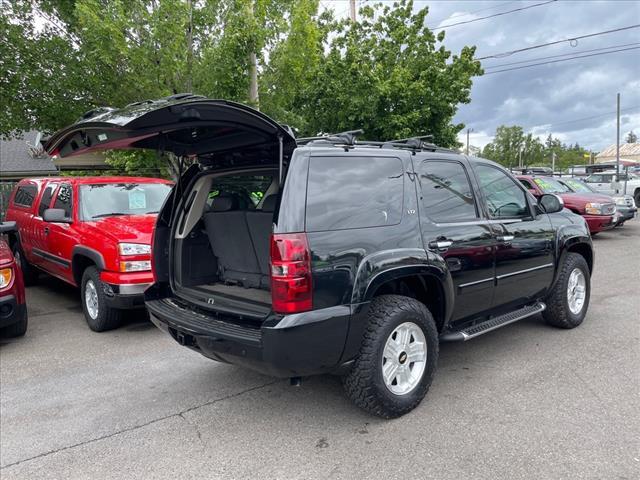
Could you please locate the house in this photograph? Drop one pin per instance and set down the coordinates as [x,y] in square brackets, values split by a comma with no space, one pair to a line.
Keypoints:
[628,151]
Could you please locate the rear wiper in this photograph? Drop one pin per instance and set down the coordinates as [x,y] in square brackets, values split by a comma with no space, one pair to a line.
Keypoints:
[109,214]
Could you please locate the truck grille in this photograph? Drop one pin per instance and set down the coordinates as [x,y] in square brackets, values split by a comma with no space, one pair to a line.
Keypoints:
[609,208]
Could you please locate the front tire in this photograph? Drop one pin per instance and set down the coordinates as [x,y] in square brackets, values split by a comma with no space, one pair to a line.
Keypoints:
[397,359]
[99,316]
[568,303]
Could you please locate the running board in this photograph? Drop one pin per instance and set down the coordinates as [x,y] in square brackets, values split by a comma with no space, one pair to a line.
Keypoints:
[492,324]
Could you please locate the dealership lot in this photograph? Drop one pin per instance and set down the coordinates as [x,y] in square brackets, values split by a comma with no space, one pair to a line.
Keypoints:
[525,401]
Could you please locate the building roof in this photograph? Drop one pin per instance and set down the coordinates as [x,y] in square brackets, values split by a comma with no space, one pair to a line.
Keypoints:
[21,157]
[626,150]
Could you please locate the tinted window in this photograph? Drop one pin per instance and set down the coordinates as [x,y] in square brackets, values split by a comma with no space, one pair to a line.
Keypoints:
[353,192]
[446,192]
[63,200]
[505,199]
[25,195]
[45,201]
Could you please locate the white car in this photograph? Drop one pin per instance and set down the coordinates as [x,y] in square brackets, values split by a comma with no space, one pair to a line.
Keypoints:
[604,182]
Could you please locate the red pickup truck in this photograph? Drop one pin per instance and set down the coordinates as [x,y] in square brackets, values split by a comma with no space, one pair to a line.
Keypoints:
[91,232]
[597,209]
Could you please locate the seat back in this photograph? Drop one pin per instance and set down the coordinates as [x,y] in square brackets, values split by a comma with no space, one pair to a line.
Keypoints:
[260,222]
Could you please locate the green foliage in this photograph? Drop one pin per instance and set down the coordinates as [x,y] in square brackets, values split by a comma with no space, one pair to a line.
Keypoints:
[387,73]
[510,144]
[631,137]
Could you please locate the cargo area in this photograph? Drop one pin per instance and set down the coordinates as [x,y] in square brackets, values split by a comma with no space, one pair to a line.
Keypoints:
[221,249]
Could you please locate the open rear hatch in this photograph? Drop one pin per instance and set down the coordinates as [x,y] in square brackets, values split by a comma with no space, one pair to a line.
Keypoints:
[190,248]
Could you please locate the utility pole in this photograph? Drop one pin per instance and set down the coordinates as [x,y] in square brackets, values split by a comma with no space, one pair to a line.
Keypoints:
[618,141]
[253,66]
[553,161]
[352,10]
[189,84]
[468,130]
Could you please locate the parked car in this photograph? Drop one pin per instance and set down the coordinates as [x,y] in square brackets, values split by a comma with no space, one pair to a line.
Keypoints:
[91,232]
[304,256]
[13,305]
[625,206]
[598,210]
[604,182]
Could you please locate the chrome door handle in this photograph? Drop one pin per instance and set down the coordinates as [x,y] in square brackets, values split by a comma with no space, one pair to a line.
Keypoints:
[440,244]
[46,230]
[505,238]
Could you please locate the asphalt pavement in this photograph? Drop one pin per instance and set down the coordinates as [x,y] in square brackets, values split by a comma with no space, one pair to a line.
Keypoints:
[525,401]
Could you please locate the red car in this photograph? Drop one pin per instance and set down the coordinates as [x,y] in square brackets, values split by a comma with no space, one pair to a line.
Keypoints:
[91,232]
[598,210]
[13,307]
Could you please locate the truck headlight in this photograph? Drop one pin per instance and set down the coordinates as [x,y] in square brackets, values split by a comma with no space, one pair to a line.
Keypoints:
[135,266]
[6,274]
[593,208]
[134,249]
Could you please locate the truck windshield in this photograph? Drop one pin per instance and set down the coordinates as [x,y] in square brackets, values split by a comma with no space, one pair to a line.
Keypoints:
[549,185]
[108,199]
[578,186]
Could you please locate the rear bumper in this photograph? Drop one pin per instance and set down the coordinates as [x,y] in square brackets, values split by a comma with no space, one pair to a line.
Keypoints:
[293,345]
[11,311]
[599,223]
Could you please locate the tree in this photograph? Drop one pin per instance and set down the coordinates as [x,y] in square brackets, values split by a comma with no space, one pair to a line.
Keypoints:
[632,137]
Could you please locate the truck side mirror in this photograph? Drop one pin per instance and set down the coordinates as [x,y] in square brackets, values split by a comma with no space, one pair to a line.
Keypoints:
[8,227]
[551,203]
[55,215]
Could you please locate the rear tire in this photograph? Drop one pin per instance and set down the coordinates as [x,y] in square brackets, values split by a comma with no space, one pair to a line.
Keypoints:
[99,316]
[399,329]
[568,303]
[29,272]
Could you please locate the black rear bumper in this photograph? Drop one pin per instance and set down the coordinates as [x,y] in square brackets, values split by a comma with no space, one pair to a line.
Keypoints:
[11,311]
[295,345]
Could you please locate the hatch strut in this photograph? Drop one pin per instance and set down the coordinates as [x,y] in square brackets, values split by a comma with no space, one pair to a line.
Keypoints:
[280,161]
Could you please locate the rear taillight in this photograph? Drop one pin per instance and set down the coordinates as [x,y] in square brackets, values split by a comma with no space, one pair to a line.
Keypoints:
[291,290]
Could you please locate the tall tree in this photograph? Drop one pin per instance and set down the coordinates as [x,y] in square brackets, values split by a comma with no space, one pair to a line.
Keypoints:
[632,137]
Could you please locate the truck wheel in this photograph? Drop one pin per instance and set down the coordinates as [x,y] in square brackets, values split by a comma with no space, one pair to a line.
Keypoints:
[17,329]
[397,359]
[568,302]
[29,272]
[99,316]
[636,198]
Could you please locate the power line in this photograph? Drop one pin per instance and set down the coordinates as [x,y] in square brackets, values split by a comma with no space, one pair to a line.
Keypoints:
[571,40]
[494,15]
[458,15]
[576,120]
[561,60]
[562,55]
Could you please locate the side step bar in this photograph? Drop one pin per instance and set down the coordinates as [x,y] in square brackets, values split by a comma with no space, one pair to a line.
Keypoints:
[492,324]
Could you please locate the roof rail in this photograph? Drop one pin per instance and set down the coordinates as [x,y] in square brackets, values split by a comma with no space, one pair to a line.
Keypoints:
[349,139]
[342,138]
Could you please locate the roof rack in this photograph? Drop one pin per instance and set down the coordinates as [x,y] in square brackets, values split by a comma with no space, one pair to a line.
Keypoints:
[342,138]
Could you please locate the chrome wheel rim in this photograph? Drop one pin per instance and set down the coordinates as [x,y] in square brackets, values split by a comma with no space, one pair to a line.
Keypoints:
[404,358]
[91,299]
[576,291]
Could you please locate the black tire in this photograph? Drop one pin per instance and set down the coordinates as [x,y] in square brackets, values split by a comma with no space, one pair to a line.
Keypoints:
[106,318]
[17,329]
[558,313]
[29,272]
[636,197]
[365,384]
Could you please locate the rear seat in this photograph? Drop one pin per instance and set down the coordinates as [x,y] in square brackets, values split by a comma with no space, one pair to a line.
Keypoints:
[260,222]
[231,242]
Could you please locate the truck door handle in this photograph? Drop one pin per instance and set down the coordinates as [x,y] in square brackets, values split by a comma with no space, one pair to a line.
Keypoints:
[46,230]
[440,244]
[505,238]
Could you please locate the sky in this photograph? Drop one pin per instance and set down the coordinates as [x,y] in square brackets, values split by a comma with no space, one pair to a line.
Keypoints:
[575,100]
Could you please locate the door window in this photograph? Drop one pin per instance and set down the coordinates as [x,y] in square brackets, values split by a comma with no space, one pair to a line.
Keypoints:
[63,200]
[526,184]
[25,195]
[446,192]
[503,196]
[45,201]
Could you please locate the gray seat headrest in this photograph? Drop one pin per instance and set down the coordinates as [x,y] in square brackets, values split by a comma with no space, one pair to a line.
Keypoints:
[223,204]
[269,203]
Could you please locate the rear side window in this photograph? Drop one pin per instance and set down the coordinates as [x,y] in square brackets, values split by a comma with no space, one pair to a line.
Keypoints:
[25,195]
[354,192]
[446,192]
[45,201]
[63,200]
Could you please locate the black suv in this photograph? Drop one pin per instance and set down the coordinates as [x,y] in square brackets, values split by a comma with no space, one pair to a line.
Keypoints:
[297,257]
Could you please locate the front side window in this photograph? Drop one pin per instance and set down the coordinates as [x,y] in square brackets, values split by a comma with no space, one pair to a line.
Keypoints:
[63,200]
[110,199]
[25,195]
[354,192]
[45,201]
[446,192]
[504,198]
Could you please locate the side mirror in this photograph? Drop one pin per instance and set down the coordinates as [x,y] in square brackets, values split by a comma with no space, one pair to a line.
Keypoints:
[551,203]
[55,215]
[8,227]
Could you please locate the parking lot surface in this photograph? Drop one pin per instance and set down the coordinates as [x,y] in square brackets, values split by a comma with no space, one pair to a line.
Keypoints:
[525,401]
